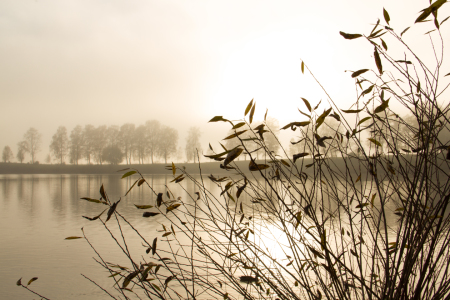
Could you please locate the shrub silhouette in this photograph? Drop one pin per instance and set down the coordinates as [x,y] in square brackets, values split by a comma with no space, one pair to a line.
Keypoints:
[369,223]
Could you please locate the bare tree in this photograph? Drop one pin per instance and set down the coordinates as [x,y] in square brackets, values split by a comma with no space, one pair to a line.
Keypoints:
[154,136]
[99,142]
[7,154]
[126,137]
[140,143]
[168,145]
[88,142]
[59,146]
[76,144]
[193,143]
[22,149]
[32,139]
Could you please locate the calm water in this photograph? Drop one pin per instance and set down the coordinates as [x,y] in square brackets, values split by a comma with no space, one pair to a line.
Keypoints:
[37,212]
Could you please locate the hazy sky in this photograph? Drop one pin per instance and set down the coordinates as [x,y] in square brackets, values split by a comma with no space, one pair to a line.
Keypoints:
[67,62]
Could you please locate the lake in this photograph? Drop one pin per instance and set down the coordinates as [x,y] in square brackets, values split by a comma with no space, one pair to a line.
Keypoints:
[37,213]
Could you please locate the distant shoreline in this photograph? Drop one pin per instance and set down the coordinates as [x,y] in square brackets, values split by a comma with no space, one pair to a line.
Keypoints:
[158,169]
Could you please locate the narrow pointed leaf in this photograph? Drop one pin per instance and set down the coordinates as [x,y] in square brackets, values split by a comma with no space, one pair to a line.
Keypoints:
[154,246]
[129,190]
[303,67]
[386,16]
[172,207]
[252,112]
[141,181]
[363,120]
[238,125]
[378,61]
[173,169]
[375,142]
[352,111]
[218,119]
[235,135]
[31,280]
[249,106]
[232,155]
[406,29]
[73,237]
[359,72]
[159,200]
[111,210]
[308,106]
[300,155]
[128,174]
[350,36]
[382,107]
[143,206]
[94,218]
[148,214]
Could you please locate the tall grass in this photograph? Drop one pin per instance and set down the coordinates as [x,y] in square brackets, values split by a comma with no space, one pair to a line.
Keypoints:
[369,223]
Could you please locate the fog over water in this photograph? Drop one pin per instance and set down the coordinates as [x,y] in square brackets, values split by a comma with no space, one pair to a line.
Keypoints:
[71,62]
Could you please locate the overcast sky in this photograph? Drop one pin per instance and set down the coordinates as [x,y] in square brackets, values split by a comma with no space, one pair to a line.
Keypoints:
[69,62]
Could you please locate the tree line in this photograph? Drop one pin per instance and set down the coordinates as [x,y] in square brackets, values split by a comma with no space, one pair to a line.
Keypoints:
[107,144]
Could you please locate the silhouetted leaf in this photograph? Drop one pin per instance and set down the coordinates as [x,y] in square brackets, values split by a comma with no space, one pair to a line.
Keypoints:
[317,106]
[172,207]
[252,112]
[94,200]
[73,237]
[128,174]
[173,169]
[350,36]
[359,72]
[232,155]
[128,279]
[382,107]
[249,106]
[429,31]
[265,115]
[322,117]
[132,186]
[256,167]
[404,61]
[166,234]
[180,179]
[143,206]
[159,200]
[111,210]
[149,214]
[303,67]
[363,120]
[218,119]
[352,111]
[19,282]
[31,280]
[238,125]
[432,8]
[299,155]
[406,29]
[368,90]
[94,218]
[386,16]
[241,188]
[447,74]
[285,163]
[296,124]
[320,140]
[308,106]
[154,246]
[235,135]
[378,61]
[383,43]
[375,142]
[102,192]
[445,20]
